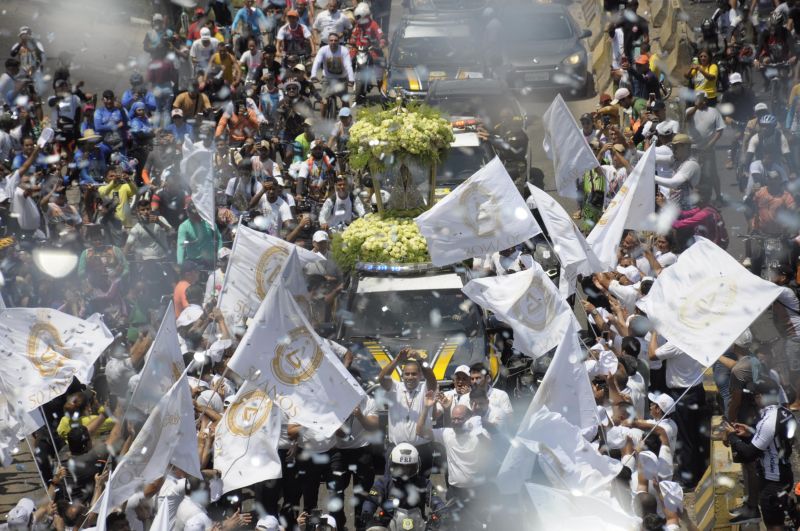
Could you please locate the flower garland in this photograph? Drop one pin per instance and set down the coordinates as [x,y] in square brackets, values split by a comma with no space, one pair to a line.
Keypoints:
[380,239]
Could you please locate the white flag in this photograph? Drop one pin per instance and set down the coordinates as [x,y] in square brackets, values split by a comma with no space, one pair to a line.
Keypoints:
[704,301]
[558,508]
[484,214]
[632,208]
[254,264]
[161,519]
[566,146]
[197,168]
[41,350]
[15,424]
[168,437]
[302,375]
[529,303]
[574,253]
[246,439]
[163,365]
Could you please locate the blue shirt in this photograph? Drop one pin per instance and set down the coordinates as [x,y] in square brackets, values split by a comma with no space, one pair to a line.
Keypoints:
[105,120]
[255,18]
[149,100]
[180,132]
[92,169]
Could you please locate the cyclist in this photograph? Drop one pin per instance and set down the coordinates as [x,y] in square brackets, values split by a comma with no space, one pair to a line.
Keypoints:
[337,70]
[775,47]
[248,23]
[315,174]
[401,487]
[294,38]
[769,138]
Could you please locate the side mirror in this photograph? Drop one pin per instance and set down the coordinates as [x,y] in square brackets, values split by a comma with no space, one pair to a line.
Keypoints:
[585,34]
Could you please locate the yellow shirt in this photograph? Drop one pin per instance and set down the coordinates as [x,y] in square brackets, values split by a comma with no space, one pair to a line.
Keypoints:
[65,424]
[701,82]
[125,192]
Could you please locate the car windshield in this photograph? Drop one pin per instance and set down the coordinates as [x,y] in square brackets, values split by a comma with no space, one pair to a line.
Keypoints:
[406,313]
[458,51]
[460,164]
[539,27]
[486,107]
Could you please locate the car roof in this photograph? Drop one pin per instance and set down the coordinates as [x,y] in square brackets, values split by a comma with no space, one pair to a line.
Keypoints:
[467,87]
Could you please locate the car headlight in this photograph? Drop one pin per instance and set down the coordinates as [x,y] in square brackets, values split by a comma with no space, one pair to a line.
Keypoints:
[573,59]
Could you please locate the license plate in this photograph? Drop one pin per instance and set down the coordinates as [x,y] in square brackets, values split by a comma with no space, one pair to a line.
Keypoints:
[437,75]
[537,76]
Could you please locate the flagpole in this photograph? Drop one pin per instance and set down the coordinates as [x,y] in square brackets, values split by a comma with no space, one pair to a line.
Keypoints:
[39,470]
[53,442]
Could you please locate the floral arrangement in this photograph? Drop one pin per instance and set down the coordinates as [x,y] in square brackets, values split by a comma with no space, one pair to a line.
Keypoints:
[383,239]
[381,136]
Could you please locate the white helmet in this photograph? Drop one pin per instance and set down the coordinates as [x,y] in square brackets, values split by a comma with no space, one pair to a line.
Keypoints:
[362,13]
[404,461]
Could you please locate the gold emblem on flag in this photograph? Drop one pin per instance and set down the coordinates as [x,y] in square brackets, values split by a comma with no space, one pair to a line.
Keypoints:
[44,346]
[479,208]
[268,267]
[298,359]
[708,302]
[248,413]
[535,307]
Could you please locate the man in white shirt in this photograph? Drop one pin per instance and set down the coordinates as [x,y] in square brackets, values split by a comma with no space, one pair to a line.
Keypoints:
[468,454]
[202,50]
[272,206]
[459,395]
[20,187]
[406,403]
[498,399]
[337,70]
[341,208]
[684,376]
[331,20]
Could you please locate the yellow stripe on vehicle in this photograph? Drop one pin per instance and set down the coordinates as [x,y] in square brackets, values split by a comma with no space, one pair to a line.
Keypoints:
[381,357]
[494,362]
[414,82]
[443,360]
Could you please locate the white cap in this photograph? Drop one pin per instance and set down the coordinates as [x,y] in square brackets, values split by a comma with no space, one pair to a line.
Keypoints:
[649,463]
[662,400]
[462,368]
[620,94]
[177,112]
[736,77]
[205,34]
[745,339]
[299,66]
[197,522]
[211,399]
[761,107]
[223,252]
[190,314]
[665,128]
[320,236]
[20,515]
[268,523]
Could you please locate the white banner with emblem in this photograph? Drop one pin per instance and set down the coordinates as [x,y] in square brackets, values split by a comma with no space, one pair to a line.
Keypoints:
[529,303]
[246,439]
[41,350]
[483,215]
[632,208]
[281,353]
[254,264]
[704,301]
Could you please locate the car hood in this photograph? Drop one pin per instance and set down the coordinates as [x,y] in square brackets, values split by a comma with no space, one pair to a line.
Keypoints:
[545,52]
[442,352]
[417,78]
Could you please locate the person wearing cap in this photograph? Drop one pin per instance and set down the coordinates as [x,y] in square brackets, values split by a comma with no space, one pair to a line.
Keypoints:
[192,103]
[201,51]
[340,135]
[294,38]
[739,99]
[247,23]
[342,208]
[331,20]
[337,70]
[325,269]
[28,51]
[458,395]
[623,102]
[686,175]
[705,126]
[20,517]
[316,173]
[268,523]
[179,127]
[644,82]
[770,446]
[303,141]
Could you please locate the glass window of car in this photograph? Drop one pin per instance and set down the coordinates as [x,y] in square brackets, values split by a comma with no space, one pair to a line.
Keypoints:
[538,27]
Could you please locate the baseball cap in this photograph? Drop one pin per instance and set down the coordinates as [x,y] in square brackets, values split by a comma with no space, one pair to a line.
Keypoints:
[309,122]
[463,369]
[736,77]
[663,401]
[681,138]
[672,493]
[24,30]
[344,112]
[158,16]
[268,523]
[745,339]
[605,99]
[320,236]
[205,34]
[665,129]
[761,107]
[20,515]
[199,11]
[293,13]
[299,66]
[642,60]
[177,112]
[190,314]
[620,94]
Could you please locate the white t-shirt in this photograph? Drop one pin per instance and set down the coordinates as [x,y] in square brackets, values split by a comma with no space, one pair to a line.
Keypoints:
[627,295]
[327,22]
[251,61]
[278,212]
[356,435]
[499,405]
[682,371]
[466,455]
[174,491]
[404,409]
[202,54]
[25,208]
[764,440]
[188,510]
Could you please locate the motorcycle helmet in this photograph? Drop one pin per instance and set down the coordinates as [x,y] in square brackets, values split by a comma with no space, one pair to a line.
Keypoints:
[404,462]
[362,13]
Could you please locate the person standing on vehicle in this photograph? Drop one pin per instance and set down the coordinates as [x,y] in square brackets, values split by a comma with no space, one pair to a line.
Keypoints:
[687,174]
[337,71]
[705,126]
[498,399]
[331,21]
[771,447]
[407,402]
[458,395]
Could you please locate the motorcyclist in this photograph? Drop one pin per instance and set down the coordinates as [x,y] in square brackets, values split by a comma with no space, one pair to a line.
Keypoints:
[367,32]
[769,205]
[401,487]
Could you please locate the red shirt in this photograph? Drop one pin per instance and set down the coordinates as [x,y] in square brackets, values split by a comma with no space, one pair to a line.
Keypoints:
[364,34]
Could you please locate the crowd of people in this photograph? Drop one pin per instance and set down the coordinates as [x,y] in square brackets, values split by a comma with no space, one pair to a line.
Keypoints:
[101,180]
